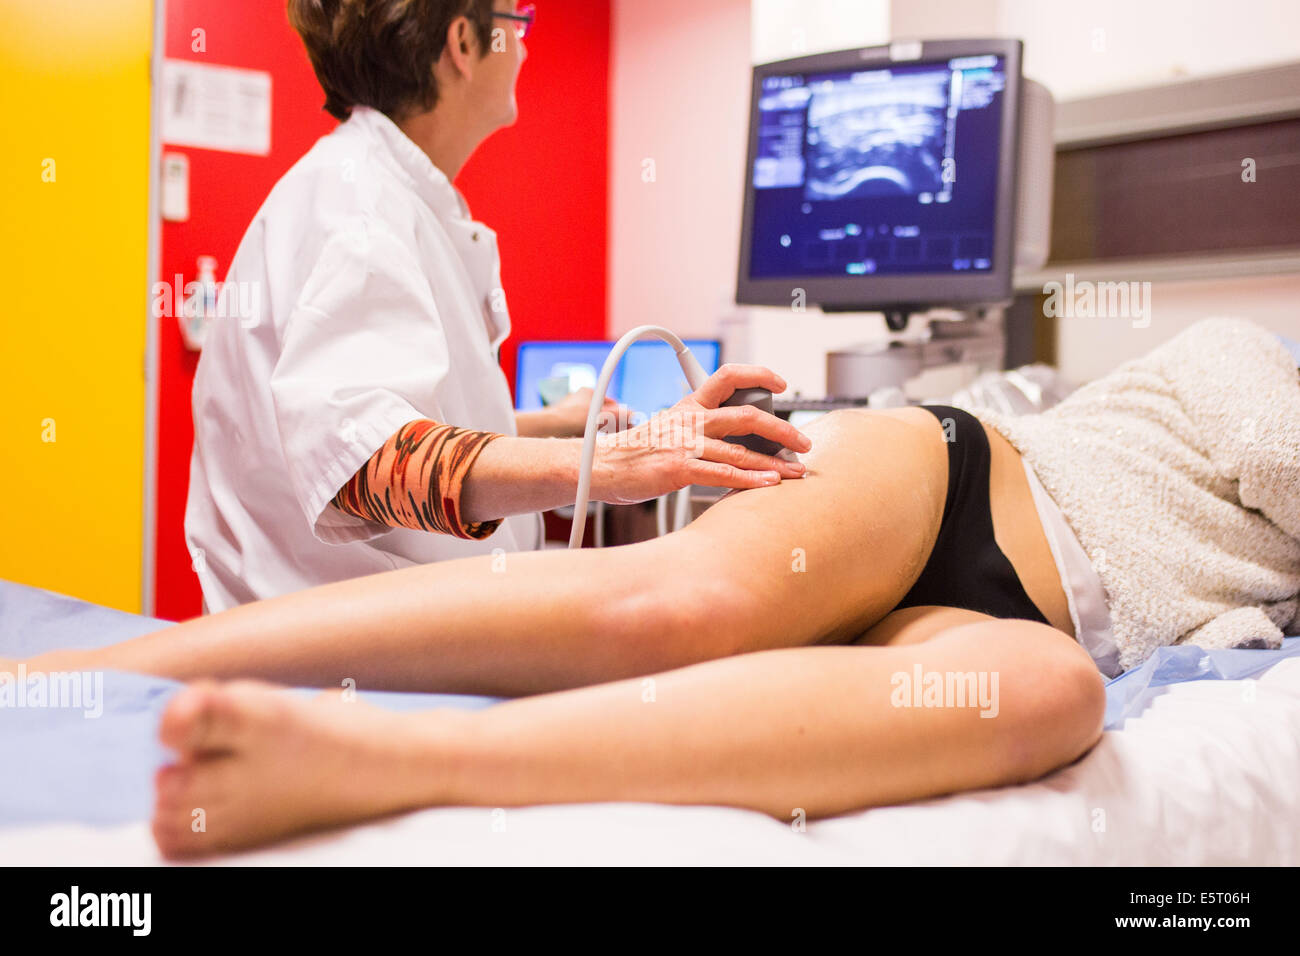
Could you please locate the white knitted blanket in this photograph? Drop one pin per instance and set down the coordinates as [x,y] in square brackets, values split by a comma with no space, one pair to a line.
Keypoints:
[1180,474]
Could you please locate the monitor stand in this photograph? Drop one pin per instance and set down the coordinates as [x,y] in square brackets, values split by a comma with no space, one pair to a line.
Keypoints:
[961,343]
[895,318]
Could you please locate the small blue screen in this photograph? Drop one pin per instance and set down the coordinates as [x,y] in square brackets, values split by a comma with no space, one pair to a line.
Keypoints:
[648,379]
[883,171]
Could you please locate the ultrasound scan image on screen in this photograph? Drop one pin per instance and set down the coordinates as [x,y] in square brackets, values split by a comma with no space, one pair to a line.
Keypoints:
[879,139]
[882,171]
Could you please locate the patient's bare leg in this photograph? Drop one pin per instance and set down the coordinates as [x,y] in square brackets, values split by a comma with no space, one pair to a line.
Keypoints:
[813,560]
[816,730]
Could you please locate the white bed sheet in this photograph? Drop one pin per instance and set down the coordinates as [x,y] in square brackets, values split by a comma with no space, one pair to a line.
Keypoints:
[1209,774]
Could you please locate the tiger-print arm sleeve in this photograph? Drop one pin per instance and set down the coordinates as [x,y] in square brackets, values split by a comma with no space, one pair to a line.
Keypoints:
[415,480]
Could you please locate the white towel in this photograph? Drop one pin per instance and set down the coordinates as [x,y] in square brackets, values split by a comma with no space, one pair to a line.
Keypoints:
[1179,473]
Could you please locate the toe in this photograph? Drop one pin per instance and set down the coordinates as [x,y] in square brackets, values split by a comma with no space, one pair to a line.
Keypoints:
[189,799]
[175,839]
[170,785]
[186,719]
[213,718]
[172,815]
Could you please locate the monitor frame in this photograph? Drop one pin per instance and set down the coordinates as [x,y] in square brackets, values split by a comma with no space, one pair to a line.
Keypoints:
[892,293]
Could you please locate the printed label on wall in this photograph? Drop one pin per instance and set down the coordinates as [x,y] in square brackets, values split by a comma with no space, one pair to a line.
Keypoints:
[216,107]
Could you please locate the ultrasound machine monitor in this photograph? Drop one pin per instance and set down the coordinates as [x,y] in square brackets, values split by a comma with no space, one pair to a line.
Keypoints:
[883,178]
[648,379]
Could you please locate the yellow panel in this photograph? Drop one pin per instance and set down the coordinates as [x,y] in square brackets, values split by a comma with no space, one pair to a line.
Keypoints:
[74,94]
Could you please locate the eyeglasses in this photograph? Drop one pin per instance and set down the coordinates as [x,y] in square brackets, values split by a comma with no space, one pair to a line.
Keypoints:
[524,19]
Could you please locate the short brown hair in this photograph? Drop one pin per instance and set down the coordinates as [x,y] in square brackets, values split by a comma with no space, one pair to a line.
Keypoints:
[381,53]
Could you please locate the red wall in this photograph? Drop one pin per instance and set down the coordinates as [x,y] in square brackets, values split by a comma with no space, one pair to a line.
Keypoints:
[542,185]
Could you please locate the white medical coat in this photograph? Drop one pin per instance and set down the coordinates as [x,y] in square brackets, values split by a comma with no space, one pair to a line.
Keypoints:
[362,297]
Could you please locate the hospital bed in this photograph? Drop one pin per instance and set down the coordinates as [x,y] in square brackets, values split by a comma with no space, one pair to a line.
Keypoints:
[1199,765]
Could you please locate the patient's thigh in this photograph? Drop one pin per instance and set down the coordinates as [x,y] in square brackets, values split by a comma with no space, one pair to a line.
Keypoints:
[824,557]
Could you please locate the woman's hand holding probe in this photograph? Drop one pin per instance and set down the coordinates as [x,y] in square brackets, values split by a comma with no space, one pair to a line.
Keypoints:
[683,445]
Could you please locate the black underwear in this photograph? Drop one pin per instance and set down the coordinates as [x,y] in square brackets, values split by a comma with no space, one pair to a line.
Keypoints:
[967,569]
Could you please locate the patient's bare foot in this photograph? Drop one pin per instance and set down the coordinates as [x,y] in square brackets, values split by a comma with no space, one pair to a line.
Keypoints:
[255,764]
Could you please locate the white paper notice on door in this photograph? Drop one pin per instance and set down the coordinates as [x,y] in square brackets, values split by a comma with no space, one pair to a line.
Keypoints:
[216,107]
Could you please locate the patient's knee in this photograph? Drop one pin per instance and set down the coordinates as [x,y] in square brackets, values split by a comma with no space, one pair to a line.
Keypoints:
[678,619]
[1051,700]
[1060,707]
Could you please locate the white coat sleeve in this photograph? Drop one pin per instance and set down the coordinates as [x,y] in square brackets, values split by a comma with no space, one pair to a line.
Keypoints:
[361,354]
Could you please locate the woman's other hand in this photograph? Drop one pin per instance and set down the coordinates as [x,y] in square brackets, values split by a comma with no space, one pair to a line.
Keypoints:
[571,413]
